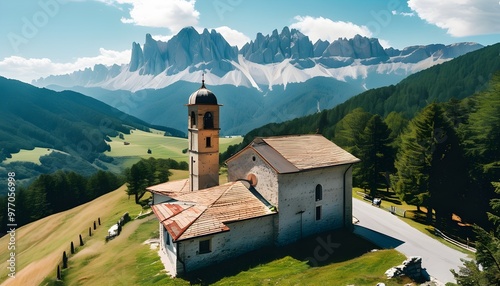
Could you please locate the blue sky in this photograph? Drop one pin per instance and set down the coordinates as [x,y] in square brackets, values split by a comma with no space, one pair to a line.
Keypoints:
[43,37]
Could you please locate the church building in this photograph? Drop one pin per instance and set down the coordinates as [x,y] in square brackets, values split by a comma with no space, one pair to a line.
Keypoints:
[279,190]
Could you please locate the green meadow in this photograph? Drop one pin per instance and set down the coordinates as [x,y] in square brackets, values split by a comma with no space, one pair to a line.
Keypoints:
[136,147]
[32,156]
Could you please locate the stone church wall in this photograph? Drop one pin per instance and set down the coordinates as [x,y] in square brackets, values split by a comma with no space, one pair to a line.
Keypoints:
[297,203]
[249,162]
[243,236]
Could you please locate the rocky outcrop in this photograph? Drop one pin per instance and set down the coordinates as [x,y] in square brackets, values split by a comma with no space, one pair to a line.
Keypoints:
[411,267]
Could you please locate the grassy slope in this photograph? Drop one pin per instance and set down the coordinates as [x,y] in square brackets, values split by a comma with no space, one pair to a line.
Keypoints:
[32,156]
[140,141]
[39,245]
[126,260]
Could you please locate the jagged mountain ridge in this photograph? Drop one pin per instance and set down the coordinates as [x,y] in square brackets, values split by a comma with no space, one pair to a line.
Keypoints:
[275,59]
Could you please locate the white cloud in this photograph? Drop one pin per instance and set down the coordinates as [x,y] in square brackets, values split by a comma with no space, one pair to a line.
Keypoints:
[171,14]
[233,37]
[326,29]
[405,14]
[163,38]
[460,18]
[385,44]
[29,69]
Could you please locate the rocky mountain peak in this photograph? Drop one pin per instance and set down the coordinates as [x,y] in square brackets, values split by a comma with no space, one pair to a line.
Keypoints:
[274,48]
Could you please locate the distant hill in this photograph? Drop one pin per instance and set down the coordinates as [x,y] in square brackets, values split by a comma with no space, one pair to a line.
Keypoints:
[243,108]
[77,125]
[458,78]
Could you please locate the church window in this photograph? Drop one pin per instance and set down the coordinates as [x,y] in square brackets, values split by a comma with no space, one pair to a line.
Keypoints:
[208,142]
[208,120]
[193,119]
[205,246]
[167,236]
[318,212]
[319,192]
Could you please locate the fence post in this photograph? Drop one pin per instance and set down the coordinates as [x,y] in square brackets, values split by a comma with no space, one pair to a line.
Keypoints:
[94,225]
[81,240]
[72,248]
[90,231]
[58,273]
[99,220]
[64,260]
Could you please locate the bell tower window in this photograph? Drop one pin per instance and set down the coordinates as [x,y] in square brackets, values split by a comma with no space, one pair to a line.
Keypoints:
[208,142]
[193,119]
[208,121]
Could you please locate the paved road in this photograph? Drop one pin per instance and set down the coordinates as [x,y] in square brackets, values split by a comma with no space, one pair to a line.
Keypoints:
[388,231]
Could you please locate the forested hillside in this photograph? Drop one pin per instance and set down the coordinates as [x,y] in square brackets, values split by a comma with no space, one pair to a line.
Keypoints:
[431,138]
[458,79]
[75,126]
[68,121]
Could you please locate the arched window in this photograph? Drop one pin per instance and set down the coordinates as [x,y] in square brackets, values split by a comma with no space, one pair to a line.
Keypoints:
[208,121]
[319,192]
[193,119]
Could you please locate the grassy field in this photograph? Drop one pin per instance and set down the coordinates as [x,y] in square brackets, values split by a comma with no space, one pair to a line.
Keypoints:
[39,245]
[32,156]
[126,260]
[139,143]
[160,146]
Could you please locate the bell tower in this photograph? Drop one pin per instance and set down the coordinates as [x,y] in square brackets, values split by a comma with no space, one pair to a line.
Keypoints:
[203,137]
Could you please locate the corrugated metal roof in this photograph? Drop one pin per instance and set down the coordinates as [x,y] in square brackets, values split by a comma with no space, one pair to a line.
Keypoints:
[207,211]
[295,153]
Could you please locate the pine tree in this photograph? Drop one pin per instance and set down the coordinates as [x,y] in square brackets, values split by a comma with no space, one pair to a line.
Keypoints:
[429,154]
[488,252]
[348,130]
[374,147]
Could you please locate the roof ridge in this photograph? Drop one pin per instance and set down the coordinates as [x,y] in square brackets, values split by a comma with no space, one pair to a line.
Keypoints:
[201,213]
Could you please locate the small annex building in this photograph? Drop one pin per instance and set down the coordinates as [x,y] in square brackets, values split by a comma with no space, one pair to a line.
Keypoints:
[279,190]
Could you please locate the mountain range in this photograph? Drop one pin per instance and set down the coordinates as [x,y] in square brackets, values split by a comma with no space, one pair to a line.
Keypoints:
[268,61]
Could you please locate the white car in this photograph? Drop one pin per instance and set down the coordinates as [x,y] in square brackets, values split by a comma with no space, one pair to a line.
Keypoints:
[113,231]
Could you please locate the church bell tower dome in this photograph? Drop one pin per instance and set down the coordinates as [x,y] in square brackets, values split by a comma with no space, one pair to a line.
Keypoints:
[203,96]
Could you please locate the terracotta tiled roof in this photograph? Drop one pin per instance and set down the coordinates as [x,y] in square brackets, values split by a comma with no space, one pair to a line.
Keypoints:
[207,211]
[171,189]
[289,154]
